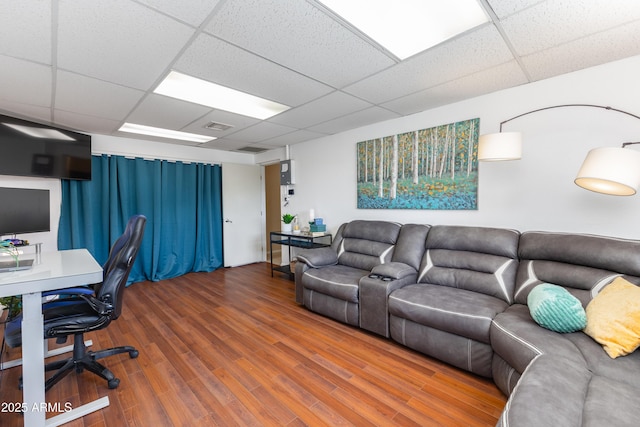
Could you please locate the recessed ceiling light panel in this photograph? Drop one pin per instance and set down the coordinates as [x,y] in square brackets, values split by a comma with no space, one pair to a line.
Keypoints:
[192,89]
[164,133]
[406,27]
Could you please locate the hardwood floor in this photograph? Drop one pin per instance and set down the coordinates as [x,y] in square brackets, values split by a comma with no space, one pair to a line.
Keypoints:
[232,347]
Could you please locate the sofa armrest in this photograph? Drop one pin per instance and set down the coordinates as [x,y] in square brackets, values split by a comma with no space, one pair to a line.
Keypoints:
[374,294]
[319,257]
[392,271]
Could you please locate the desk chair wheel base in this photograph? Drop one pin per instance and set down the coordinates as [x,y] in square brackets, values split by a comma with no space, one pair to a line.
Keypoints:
[83,359]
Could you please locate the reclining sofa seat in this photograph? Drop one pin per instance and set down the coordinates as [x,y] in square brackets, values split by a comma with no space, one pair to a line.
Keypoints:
[558,379]
[327,280]
[466,277]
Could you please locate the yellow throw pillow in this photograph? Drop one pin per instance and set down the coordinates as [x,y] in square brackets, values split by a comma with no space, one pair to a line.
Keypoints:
[613,318]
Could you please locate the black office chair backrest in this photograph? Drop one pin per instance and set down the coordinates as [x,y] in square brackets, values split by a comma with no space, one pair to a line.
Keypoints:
[118,244]
[120,263]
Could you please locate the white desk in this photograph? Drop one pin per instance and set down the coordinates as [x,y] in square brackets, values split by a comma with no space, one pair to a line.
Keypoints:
[51,270]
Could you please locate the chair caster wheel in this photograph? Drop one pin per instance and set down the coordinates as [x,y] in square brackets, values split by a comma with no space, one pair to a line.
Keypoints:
[133,354]
[114,383]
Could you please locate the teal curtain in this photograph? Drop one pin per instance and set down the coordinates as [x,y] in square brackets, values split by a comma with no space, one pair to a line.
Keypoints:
[182,203]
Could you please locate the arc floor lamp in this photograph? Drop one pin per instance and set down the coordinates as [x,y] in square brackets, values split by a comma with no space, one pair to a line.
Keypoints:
[608,170]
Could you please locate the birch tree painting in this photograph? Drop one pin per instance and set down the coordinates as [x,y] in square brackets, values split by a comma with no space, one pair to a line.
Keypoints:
[435,168]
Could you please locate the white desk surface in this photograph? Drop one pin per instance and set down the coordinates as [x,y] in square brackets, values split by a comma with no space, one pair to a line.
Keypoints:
[51,270]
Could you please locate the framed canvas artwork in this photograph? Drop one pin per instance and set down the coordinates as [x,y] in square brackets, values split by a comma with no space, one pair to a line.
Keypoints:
[435,168]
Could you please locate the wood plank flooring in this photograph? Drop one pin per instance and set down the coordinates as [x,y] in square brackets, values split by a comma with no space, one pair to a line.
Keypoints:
[232,347]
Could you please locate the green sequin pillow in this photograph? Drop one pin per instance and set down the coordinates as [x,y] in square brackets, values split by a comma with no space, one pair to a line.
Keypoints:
[554,308]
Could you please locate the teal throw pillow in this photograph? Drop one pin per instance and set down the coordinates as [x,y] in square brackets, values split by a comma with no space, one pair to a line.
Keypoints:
[554,308]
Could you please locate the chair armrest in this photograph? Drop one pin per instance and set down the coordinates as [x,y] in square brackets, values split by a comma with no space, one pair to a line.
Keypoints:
[319,257]
[392,271]
[69,291]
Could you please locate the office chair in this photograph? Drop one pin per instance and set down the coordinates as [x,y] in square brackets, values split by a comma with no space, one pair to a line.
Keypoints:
[81,310]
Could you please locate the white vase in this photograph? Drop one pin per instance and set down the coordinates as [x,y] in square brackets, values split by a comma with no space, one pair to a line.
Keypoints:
[286,228]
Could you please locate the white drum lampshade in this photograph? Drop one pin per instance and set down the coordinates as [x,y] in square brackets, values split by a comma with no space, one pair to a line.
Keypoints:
[610,170]
[495,147]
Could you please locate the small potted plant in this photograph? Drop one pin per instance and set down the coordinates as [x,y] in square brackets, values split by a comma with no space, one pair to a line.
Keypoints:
[287,219]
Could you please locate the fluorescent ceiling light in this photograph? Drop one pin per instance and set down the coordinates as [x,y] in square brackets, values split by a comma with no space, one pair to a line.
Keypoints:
[40,132]
[187,88]
[406,27]
[164,133]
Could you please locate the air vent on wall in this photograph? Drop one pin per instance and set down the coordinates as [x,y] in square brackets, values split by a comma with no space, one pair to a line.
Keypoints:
[252,149]
[217,126]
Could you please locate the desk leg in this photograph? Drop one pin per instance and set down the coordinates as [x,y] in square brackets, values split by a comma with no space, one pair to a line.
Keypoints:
[32,360]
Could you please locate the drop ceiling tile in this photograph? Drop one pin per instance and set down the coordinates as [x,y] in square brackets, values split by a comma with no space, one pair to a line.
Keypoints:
[469,53]
[552,23]
[260,132]
[193,12]
[87,124]
[163,111]
[118,41]
[292,138]
[329,107]
[494,79]
[355,120]
[92,97]
[26,29]
[606,46]
[503,8]
[26,111]
[217,61]
[299,36]
[25,82]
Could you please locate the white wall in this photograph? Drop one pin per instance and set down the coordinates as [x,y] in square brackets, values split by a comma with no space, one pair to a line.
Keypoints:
[102,144]
[535,193]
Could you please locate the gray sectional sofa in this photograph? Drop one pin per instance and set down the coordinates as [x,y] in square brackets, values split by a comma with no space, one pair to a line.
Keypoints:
[460,294]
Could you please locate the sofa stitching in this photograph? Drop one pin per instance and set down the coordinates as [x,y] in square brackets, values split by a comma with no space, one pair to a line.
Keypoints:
[346,312]
[427,267]
[507,408]
[499,274]
[331,282]
[440,310]
[385,253]
[532,278]
[517,338]
[595,290]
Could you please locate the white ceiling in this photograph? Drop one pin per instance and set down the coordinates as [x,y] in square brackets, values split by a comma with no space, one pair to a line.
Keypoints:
[92,65]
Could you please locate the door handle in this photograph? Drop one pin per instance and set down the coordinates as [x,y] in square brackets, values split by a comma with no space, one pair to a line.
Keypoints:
[228,220]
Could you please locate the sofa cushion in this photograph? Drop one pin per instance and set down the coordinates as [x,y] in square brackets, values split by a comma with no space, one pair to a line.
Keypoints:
[550,393]
[599,362]
[613,318]
[518,339]
[610,403]
[338,281]
[478,259]
[457,311]
[554,308]
[365,244]
[583,264]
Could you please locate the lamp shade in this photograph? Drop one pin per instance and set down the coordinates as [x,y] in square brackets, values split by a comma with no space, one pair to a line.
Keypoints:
[494,147]
[610,170]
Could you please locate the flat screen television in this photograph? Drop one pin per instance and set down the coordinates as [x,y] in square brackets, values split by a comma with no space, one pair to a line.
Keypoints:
[24,210]
[34,149]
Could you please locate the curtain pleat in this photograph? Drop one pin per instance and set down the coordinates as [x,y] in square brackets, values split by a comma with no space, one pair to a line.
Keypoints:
[182,203]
